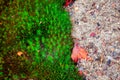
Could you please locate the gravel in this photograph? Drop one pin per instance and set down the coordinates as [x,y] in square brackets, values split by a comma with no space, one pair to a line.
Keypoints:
[96,26]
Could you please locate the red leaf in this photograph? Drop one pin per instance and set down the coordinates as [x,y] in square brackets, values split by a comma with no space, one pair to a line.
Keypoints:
[78,53]
[68,2]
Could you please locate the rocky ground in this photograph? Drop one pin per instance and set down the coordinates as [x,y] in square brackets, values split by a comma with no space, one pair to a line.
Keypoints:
[96,27]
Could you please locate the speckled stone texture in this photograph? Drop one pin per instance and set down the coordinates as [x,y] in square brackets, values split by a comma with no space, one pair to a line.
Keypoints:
[96,26]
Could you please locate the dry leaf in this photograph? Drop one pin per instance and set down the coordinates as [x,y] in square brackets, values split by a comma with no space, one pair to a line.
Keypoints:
[19,53]
[79,53]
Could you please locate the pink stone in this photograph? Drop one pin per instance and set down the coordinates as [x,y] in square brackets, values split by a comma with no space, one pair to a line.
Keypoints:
[92,34]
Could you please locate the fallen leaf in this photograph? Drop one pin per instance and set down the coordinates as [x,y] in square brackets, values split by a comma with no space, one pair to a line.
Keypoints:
[80,73]
[75,53]
[68,2]
[19,53]
[79,53]
[0,23]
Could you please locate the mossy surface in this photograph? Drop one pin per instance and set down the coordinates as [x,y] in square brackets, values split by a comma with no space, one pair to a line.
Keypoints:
[41,29]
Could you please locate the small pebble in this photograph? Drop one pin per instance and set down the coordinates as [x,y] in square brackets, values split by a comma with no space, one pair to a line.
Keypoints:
[84,19]
[108,62]
[98,59]
[70,13]
[93,4]
[91,45]
[76,22]
[92,34]
[114,53]
[97,37]
[76,8]
[92,13]
[98,24]
[80,69]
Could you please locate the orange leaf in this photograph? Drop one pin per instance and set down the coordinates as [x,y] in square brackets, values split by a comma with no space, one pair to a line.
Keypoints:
[19,53]
[78,53]
[75,53]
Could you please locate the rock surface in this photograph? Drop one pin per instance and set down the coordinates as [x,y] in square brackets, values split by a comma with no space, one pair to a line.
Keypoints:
[96,27]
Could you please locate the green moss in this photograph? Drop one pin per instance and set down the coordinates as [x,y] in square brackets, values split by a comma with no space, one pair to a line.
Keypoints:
[41,30]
